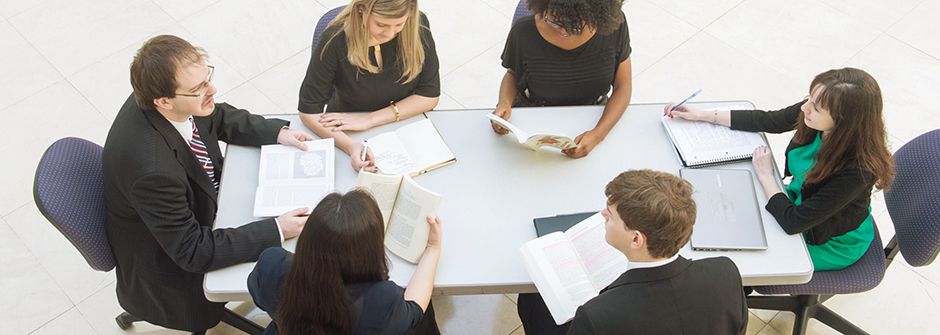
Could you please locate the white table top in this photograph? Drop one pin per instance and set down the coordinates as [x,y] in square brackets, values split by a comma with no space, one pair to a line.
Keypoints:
[495,189]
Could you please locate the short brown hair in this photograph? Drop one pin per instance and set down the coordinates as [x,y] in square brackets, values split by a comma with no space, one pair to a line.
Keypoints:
[656,203]
[153,71]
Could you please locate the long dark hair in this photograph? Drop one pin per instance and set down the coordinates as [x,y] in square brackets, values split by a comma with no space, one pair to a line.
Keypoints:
[853,99]
[342,243]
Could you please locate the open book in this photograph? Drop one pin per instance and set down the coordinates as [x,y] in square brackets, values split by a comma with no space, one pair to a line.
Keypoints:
[413,149]
[405,207]
[534,141]
[289,178]
[572,267]
[701,144]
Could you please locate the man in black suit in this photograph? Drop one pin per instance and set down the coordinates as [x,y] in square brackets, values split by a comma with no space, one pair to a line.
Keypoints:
[161,164]
[649,218]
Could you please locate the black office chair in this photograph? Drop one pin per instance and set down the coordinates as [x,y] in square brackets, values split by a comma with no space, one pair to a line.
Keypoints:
[913,202]
[69,191]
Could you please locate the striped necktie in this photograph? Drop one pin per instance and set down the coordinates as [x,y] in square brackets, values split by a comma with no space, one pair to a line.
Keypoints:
[199,148]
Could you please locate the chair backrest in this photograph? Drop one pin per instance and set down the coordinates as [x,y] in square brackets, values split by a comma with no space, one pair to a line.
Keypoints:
[913,200]
[520,11]
[322,24]
[69,192]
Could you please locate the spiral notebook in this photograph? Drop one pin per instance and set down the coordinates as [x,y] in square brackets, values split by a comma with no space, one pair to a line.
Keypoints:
[701,144]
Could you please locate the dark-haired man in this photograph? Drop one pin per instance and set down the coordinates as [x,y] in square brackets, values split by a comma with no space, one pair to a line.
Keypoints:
[649,218]
[161,167]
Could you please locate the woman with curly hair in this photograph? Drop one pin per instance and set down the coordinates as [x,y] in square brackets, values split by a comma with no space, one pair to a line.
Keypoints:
[337,282]
[376,56]
[836,157]
[569,52]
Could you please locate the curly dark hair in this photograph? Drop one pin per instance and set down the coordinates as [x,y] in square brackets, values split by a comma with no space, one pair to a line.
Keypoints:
[603,15]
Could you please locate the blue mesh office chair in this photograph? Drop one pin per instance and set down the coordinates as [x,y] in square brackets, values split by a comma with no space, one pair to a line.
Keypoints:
[322,24]
[520,11]
[69,191]
[913,202]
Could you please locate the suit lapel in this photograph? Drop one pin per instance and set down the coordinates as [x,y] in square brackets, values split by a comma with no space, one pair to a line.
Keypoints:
[184,154]
[651,274]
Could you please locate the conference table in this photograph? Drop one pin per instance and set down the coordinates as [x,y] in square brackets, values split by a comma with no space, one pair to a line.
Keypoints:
[497,186]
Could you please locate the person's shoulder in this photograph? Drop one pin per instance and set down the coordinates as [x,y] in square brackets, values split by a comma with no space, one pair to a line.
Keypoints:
[275,254]
[523,25]
[716,266]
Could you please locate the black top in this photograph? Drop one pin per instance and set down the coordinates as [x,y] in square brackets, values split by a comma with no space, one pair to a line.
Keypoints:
[683,297]
[377,308]
[556,77]
[331,80]
[830,208]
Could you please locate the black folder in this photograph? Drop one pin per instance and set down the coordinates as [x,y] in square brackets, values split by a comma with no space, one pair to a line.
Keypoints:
[551,224]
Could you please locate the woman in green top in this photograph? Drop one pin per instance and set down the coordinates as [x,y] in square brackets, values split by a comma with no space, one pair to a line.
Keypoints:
[836,156]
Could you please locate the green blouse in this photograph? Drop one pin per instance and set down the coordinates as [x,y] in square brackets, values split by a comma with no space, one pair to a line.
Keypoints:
[840,251]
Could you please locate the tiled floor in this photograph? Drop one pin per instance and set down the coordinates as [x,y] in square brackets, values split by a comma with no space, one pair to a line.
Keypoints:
[63,72]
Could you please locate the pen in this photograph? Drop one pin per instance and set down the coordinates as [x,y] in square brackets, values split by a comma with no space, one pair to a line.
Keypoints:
[362,157]
[686,100]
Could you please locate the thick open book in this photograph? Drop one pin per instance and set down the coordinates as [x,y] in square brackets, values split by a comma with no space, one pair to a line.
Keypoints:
[701,144]
[572,267]
[534,141]
[405,207]
[413,149]
[289,178]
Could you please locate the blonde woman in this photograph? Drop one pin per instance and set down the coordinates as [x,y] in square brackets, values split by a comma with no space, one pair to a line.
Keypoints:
[377,56]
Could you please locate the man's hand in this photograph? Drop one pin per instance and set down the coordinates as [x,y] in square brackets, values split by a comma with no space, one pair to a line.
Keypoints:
[292,223]
[294,138]
[503,112]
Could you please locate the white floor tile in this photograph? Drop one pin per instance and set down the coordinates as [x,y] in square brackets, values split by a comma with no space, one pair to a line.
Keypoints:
[106,83]
[180,9]
[722,73]
[281,83]
[23,68]
[476,314]
[102,307]
[463,30]
[919,28]
[447,102]
[878,14]
[476,83]
[31,297]
[253,36]
[697,13]
[57,255]
[71,322]
[763,315]
[76,34]
[9,9]
[247,97]
[768,330]
[798,38]
[654,32]
[32,125]
[906,75]
[754,324]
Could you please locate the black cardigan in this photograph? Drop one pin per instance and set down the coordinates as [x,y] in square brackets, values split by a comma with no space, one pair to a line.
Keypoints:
[830,208]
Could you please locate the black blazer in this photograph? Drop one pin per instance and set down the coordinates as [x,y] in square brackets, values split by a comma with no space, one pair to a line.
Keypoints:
[830,208]
[161,206]
[682,297]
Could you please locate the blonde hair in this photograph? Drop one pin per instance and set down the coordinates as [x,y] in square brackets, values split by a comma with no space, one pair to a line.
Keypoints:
[410,46]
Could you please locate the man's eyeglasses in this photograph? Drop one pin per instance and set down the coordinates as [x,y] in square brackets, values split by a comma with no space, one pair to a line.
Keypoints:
[205,86]
[571,31]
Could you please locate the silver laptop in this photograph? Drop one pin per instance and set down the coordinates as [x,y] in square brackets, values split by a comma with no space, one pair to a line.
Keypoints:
[729,217]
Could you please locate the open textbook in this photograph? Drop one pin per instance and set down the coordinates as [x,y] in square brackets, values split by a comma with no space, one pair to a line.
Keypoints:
[289,178]
[701,144]
[405,207]
[572,267]
[534,141]
[413,149]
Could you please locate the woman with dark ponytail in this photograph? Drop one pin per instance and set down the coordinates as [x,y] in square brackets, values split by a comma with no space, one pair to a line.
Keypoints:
[337,282]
